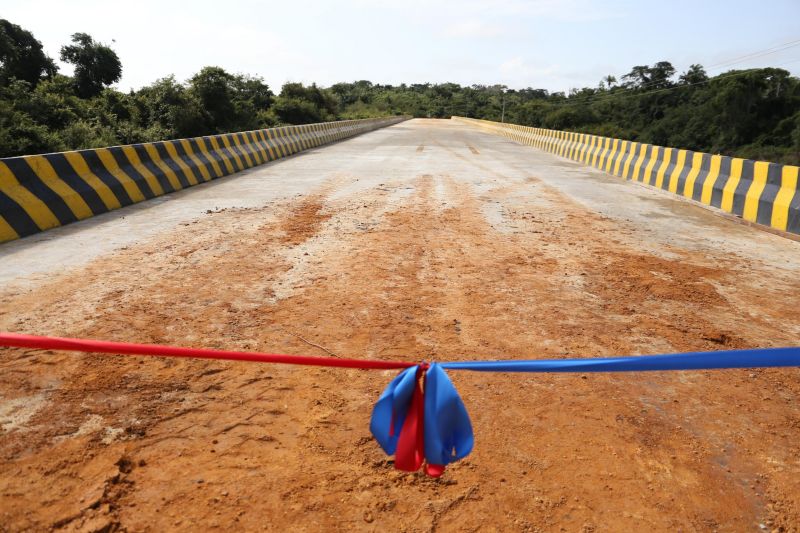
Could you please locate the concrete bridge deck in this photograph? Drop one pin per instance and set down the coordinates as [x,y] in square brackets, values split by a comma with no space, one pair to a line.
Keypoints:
[426,239]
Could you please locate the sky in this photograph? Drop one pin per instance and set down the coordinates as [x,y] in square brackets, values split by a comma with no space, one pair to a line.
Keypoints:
[550,44]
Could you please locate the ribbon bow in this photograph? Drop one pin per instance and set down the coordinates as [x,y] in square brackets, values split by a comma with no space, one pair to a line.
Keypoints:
[421,418]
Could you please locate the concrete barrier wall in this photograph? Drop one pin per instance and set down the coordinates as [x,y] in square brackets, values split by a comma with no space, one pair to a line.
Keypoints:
[758,191]
[38,192]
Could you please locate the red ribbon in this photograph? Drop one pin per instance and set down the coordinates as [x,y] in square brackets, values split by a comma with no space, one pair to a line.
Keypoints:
[410,453]
[125,348]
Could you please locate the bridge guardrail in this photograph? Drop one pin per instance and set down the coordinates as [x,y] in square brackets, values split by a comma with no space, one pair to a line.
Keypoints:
[757,191]
[39,192]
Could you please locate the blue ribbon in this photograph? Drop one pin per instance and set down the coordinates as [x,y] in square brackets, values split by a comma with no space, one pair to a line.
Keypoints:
[448,431]
[756,358]
[391,409]
[447,428]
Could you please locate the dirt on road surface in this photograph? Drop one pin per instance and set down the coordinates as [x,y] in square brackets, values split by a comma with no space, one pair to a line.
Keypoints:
[470,248]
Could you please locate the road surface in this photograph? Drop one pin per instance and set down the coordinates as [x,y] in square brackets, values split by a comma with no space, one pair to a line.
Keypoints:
[426,240]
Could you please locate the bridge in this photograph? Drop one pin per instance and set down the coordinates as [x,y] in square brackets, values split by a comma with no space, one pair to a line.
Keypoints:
[425,239]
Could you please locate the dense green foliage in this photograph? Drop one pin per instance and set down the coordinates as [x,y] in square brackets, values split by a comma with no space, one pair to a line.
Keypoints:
[753,113]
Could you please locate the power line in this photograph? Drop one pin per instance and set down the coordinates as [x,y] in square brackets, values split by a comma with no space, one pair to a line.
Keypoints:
[740,59]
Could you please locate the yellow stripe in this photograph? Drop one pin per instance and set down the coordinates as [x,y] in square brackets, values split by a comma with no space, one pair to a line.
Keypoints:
[251,162]
[198,163]
[628,160]
[598,144]
[639,160]
[47,174]
[293,140]
[36,208]
[267,145]
[620,157]
[587,154]
[760,171]
[105,193]
[676,172]
[604,153]
[780,206]
[585,148]
[663,168]
[729,192]
[112,167]
[580,147]
[301,133]
[7,233]
[688,187]
[228,145]
[225,157]
[201,143]
[711,179]
[648,171]
[591,156]
[274,142]
[171,176]
[173,153]
[149,177]
[255,139]
[283,140]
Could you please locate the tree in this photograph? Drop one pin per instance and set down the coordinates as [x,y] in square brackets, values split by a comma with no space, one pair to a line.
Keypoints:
[696,74]
[298,104]
[231,102]
[22,56]
[96,65]
[647,77]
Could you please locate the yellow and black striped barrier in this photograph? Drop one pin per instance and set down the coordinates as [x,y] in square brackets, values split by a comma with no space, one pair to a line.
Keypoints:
[757,191]
[38,192]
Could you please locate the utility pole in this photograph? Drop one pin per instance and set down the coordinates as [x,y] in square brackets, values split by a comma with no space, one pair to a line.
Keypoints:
[503,114]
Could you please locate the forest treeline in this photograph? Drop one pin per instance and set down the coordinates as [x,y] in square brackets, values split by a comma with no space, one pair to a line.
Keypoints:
[751,113]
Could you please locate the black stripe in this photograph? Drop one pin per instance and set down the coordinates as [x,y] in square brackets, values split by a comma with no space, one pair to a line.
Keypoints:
[722,180]
[17,217]
[188,161]
[264,144]
[745,181]
[286,137]
[648,153]
[229,152]
[154,169]
[69,175]
[634,149]
[202,157]
[127,167]
[767,199]
[167,160]
[687,168]
[670,167]
[255,146]
[99,170]
[247,146]
[282,142]
[793,222]
[218,157]
[702,176]
[237,150]
[620,153]
[28,179]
